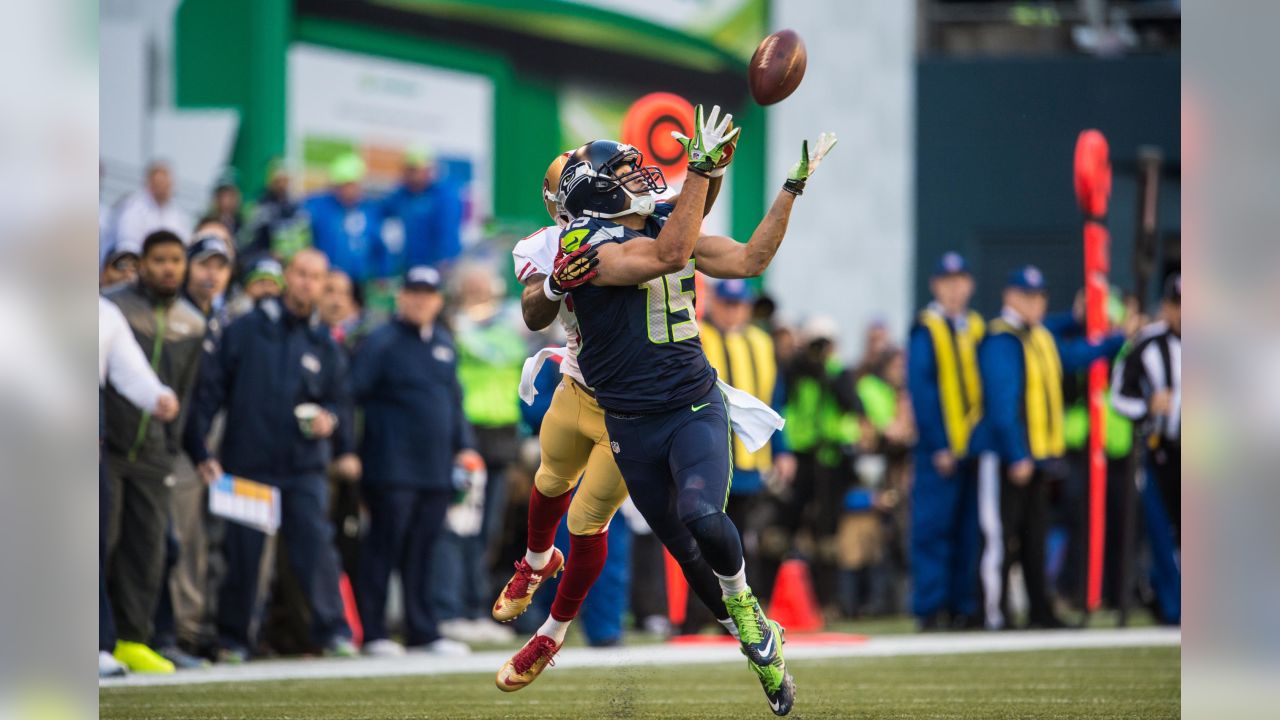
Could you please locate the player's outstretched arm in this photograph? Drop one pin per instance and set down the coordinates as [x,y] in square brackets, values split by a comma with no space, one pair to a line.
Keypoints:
[539,311]
[722,257]
[640,260]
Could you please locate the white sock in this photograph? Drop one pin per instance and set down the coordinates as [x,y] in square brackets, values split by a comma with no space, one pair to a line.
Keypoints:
[733,584]
[555,629]
[538,560]
[728,625]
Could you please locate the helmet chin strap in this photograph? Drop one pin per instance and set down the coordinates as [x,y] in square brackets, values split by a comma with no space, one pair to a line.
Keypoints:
[642,205]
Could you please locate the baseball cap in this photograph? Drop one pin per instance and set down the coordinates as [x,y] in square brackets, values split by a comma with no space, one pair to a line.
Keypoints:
[348,168]
[951,263]
[1173,288]
[117,254]
[422,277]
[734,290]
[417,156]
[821,327]
[1027,278]
[207,246]
[266,269]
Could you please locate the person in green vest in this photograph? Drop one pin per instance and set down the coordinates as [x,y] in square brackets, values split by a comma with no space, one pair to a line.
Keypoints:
[1116,444]
[825,422]
[492,345]
[866,535]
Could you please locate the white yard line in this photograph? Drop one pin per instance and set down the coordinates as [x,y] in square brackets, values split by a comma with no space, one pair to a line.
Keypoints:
[891,645]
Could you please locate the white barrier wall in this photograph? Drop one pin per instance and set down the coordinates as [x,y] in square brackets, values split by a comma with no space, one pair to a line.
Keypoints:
[850,246]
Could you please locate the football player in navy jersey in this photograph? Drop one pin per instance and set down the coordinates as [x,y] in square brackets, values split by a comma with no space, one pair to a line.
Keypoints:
[667,418]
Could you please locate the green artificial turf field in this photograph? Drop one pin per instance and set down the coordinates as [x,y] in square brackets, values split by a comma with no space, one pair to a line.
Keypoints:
[1095,684]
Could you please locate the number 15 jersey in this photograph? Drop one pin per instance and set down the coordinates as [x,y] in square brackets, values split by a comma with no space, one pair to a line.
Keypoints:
[640,349]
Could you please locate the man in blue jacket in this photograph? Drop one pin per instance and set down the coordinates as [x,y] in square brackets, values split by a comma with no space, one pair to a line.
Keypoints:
[345,226]
[946,397]
[1021,440]
[405,376]
[428,210]
[266,364]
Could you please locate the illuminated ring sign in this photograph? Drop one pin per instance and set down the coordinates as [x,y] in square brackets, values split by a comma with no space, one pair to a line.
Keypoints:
[648,125]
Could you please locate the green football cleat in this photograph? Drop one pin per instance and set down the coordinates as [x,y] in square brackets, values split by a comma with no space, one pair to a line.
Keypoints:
[779,686]
[761,639]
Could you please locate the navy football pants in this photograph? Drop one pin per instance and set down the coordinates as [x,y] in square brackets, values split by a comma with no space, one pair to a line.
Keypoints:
[678,467]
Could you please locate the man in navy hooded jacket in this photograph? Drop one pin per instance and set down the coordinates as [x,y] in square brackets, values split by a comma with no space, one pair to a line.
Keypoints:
[265,365]
[405,376]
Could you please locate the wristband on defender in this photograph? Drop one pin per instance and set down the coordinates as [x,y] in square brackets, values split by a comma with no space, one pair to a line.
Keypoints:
[552,294]
[795,187]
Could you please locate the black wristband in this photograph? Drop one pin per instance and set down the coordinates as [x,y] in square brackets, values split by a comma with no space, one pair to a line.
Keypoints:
[795,187]
[698,171]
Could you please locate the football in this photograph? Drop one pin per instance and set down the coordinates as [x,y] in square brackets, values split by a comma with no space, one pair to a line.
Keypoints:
[777,67]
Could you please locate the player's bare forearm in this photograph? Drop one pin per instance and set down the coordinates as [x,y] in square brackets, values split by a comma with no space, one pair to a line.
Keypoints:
[538,310]
[713,191]
[723,257]
[674,244]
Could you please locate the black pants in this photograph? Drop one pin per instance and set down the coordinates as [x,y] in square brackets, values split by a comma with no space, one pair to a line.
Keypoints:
[1015,520]
[404,524]
[106,622]
[308,538]
[135,556]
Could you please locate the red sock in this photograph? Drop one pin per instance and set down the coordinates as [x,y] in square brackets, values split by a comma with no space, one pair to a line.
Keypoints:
[587,554]
[544,518]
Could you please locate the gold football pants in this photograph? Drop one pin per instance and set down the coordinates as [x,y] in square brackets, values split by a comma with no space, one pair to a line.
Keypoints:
[574,440]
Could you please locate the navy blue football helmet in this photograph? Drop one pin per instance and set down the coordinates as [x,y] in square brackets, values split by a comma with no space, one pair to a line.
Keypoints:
[591,185]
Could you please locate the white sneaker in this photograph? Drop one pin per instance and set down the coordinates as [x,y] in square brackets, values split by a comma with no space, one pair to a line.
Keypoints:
[492,632]
[109,666]
[463,631]
[444,647]
[383,648]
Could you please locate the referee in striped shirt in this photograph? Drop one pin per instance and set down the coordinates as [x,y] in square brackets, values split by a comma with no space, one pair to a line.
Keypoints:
[1148,389]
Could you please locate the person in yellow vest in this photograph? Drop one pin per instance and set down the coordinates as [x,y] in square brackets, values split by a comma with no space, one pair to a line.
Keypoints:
[946,395]
[1021,439]
[743,356]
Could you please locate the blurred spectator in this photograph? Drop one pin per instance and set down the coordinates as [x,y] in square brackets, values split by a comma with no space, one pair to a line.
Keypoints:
[141,451]
[209,261]
[946,394]
[180,612]
[869,550]
[824,427]
[345,226]
[122,363]
[405,375]
[1022,441]
[743,356]
[277,226]
[426,212]
[225,206]
[267,365]
[876,342]
[264,279]
[119,266]
[150,209]
[340,310]
[1149,390]
[490,335]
